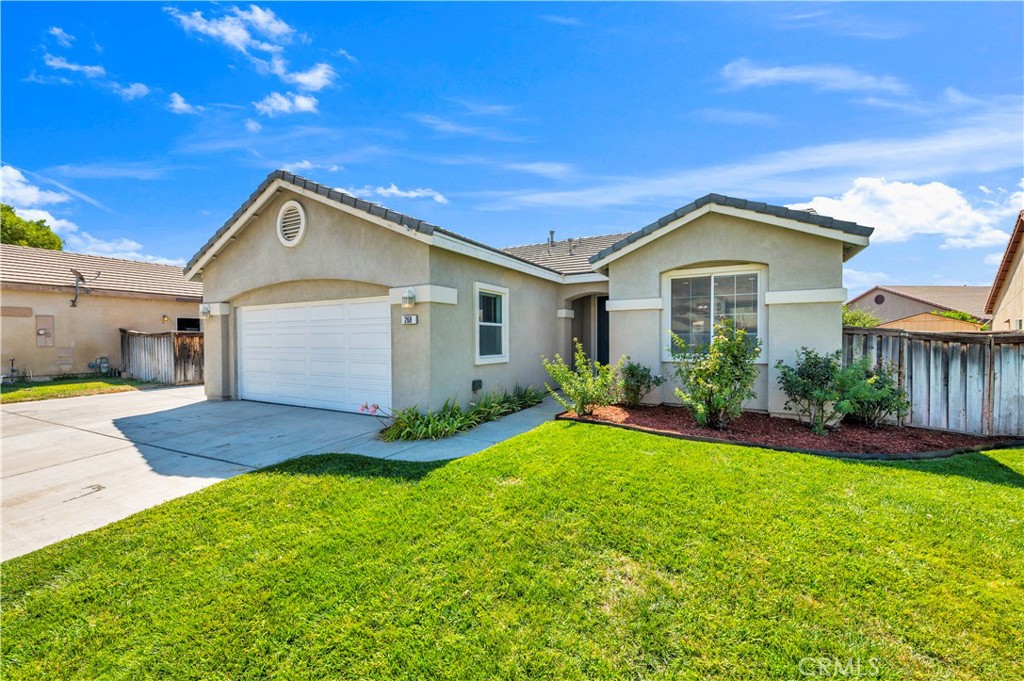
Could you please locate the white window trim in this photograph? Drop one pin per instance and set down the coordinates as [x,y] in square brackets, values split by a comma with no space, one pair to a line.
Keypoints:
[479,288]
[666,298]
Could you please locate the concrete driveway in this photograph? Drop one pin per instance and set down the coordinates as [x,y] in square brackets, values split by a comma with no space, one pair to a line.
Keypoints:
[73,465]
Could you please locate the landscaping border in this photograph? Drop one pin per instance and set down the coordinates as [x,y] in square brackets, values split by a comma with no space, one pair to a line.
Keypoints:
[850,456]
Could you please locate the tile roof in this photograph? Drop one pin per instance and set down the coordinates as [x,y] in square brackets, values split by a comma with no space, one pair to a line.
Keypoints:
[755,206]
[46,268]
[969,299]
[1003,273]
[569,256]
[323,190]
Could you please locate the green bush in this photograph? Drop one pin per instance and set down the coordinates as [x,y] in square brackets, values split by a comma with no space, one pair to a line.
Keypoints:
[957,314]
[637,381]
[877,394]
[451,418]
[715,380]
[590,384]
[854,316]
[818,388]
[822,391]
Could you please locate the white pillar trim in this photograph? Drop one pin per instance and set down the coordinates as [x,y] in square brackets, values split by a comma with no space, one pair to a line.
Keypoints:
[634,304]
[425,293]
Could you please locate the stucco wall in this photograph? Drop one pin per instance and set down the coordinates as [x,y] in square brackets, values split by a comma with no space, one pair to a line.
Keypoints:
[893,307]
[83,333]
[340,256]
[534,330]
[795,261]
[1010,306]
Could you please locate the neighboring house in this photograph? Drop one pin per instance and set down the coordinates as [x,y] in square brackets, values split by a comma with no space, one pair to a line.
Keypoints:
[890,303]
[318,298]
[930,321]
[47,335]
[1005,304]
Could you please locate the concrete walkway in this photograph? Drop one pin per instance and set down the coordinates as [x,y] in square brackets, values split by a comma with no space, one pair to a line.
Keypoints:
[73,465]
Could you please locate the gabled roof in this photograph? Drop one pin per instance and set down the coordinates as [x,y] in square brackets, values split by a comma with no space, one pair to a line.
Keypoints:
[1003,273]
[327,194]
[569,256]
[969,299]
[24,267]
[858,234]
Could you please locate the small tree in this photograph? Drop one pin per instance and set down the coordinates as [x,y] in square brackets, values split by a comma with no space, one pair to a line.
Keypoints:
[16,230]
[589,385]
[637,381]
[855,316]
[715,380]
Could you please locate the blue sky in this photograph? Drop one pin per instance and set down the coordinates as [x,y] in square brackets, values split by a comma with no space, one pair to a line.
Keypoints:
[138,128]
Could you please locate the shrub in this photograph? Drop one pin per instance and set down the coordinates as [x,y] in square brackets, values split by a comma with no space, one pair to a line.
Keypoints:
[818,388]
[590,384]
[412,424]
[637,381]
[876,394]
[716,379]
[957,314]
[854,316]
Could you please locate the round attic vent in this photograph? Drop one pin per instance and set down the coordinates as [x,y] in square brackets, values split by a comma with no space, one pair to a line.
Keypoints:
[291,223]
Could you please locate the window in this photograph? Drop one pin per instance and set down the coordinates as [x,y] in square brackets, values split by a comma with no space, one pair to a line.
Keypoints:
[491,314]
[697,300]
[188,324]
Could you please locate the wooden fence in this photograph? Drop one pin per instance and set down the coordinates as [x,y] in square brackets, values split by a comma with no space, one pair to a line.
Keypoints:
[962,382]
[172,357]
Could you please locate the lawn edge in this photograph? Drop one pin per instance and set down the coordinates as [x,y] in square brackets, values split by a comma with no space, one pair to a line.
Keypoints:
[856,456]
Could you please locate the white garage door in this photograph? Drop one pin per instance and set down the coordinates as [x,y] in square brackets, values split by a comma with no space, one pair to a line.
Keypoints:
[328,355]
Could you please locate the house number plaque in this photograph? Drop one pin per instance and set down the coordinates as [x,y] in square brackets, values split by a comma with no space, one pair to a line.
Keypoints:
[410,319]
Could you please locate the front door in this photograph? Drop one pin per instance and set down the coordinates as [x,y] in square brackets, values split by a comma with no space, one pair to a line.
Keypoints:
[602,329]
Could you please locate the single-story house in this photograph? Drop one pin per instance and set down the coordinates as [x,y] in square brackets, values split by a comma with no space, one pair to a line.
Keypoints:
[55,322]
[932,321]
[890,303]
[1005,303]
[315,297]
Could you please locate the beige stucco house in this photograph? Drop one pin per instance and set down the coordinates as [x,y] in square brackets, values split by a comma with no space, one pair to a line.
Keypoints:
[1005,303]
[891,303]
[314,297]
[46,335]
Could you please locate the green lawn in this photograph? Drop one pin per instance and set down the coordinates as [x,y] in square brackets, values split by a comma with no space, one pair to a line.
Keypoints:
[65,387]
[571,552]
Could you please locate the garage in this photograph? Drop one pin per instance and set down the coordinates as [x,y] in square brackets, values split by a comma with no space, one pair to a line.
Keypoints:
[330,355]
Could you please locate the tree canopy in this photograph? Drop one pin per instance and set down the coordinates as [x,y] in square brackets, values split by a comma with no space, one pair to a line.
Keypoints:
[855,316]
[15,229]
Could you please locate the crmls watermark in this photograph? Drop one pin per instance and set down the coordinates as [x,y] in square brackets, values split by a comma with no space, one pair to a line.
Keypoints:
[834,667]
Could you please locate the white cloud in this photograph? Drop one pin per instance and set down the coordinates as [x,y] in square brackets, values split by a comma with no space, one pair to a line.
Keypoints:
[60,63]
[315,79]
[734,117]
[17,191]
[984,142]
[275,103]
[26,198]
[252,126]
[560,20]
[233,29]
[346,55]
[64,39]
[483,108]
[304,165]
[133,91]
[552,171]
[178,105]
[902,210]
[743,73]
[994,258]
[393,190]
[111,171]
[449,127]
[858,281]
[845,24]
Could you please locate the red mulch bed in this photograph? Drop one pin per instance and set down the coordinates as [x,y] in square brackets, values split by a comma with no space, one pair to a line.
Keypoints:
[761,429]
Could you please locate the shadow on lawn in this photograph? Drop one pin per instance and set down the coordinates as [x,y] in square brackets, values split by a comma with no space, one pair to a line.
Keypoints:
[975,466]
[354,465]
